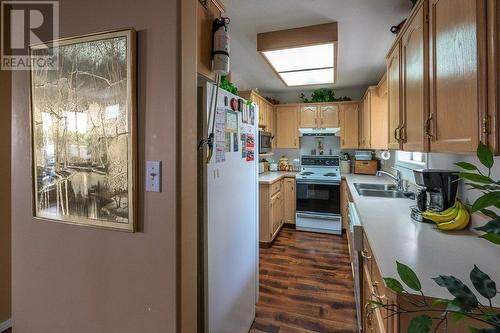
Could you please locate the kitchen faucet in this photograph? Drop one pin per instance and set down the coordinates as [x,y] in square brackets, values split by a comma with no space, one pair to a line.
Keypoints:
[398,179]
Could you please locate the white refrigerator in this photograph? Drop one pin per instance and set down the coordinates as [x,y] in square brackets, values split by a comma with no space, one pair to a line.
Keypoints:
[228,246]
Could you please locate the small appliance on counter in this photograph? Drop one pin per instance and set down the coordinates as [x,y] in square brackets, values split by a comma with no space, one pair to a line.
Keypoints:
[363,155]
[438,191]
[261,167]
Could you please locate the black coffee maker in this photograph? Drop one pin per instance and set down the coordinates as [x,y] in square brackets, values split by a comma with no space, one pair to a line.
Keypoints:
[438,191]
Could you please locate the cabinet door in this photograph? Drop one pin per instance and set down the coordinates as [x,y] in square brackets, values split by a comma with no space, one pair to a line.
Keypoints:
[344,201]
[456,80]
[206,17]
[367,121]
[415,82]
[276,213]
[287,134]
[309,116]
[329,116]
[289,200]
[349,126]
[394,89]
[379,119]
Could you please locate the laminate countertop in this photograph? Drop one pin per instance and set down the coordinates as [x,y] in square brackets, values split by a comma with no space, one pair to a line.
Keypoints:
[274,176]
[394,236]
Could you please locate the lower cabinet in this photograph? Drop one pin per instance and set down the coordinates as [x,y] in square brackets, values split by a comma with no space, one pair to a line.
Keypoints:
[289,200]
[276,207]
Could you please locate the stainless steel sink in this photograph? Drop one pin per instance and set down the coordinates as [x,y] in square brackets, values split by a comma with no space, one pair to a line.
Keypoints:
[378,187]
[378,190]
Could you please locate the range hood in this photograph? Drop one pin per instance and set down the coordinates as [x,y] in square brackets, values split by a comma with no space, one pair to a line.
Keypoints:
[318,131]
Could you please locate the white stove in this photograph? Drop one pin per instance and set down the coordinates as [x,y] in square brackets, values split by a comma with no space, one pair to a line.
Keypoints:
[320,168]
[318,195]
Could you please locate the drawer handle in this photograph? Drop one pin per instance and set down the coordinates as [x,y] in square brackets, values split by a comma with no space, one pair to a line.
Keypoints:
[365,255]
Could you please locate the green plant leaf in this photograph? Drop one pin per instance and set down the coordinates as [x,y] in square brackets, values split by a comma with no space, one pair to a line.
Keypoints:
[476,178]
[485,155]
[492,227]
[494,238]
[464,297]
[489,213]
[483,283]
[439,301]
[454,306]
[466,166]
[486,187]
[457,316]
[394,285]
[420,324]
[409,277]
[487,200]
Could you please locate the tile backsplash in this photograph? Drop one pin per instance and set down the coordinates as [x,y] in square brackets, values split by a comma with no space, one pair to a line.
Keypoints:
[307,144]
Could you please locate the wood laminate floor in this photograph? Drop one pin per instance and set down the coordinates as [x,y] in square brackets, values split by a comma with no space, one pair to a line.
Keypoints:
[306,285]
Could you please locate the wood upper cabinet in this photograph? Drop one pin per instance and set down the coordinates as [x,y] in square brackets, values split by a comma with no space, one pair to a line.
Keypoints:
[458,77]
[393,93]
[414,48]
[329,116]
[206,16]
[365,121]
[379,113]
[309,116]
[287,131]
[289,200]
[349,126]
[319,116]
[266,110]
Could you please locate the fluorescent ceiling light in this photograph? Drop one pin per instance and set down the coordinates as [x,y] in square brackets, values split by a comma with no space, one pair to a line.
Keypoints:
[308,77]
[301,58]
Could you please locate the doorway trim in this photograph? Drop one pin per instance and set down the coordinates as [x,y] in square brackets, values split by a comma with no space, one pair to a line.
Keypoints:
[187,170]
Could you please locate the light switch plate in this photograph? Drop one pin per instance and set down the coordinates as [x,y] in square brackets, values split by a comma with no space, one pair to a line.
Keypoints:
[153,176]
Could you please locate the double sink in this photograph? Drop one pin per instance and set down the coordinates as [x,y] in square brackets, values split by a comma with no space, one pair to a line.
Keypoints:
[379,190]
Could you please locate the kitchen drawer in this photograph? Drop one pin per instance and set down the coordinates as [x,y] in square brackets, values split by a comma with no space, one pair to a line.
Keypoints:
[366,167]
[276,187]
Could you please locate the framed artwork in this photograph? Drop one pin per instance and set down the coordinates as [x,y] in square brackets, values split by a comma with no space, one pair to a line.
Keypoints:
[83,128]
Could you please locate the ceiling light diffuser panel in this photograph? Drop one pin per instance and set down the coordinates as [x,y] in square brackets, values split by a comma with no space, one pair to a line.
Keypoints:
[302,56]
[309,77]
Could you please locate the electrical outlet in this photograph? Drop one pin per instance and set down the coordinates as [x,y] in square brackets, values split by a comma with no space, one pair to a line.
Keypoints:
[153,176]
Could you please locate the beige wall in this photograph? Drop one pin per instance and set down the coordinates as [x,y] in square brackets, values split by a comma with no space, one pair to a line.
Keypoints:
[81,280]
[5,196]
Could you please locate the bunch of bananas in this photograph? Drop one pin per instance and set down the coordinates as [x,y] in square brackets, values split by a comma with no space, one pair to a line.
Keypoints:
[454,218]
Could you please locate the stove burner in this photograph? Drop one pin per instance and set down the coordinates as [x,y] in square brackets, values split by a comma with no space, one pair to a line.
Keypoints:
[330,174]
[307,173]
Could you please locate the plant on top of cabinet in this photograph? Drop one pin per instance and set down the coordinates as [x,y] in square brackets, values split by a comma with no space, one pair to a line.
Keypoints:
[324,95]
[228,86]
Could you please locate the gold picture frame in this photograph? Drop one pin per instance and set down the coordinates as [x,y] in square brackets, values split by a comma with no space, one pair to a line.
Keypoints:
[84,131]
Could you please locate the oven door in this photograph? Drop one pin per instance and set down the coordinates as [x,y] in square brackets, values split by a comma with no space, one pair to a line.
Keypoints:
[318,197]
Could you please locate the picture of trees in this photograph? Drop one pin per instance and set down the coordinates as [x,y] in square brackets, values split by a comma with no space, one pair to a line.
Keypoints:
[83,124]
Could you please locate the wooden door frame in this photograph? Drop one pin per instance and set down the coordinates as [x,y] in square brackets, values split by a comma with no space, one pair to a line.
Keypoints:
[187,234]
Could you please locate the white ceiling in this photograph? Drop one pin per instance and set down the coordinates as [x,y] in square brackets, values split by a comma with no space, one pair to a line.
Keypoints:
[364,37]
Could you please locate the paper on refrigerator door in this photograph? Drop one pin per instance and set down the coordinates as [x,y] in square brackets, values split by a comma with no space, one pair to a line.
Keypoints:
[220,137]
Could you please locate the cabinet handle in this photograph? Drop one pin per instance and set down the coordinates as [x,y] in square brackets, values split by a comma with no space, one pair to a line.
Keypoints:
[396,133]
[428,127]
[365,255]
[402,132]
